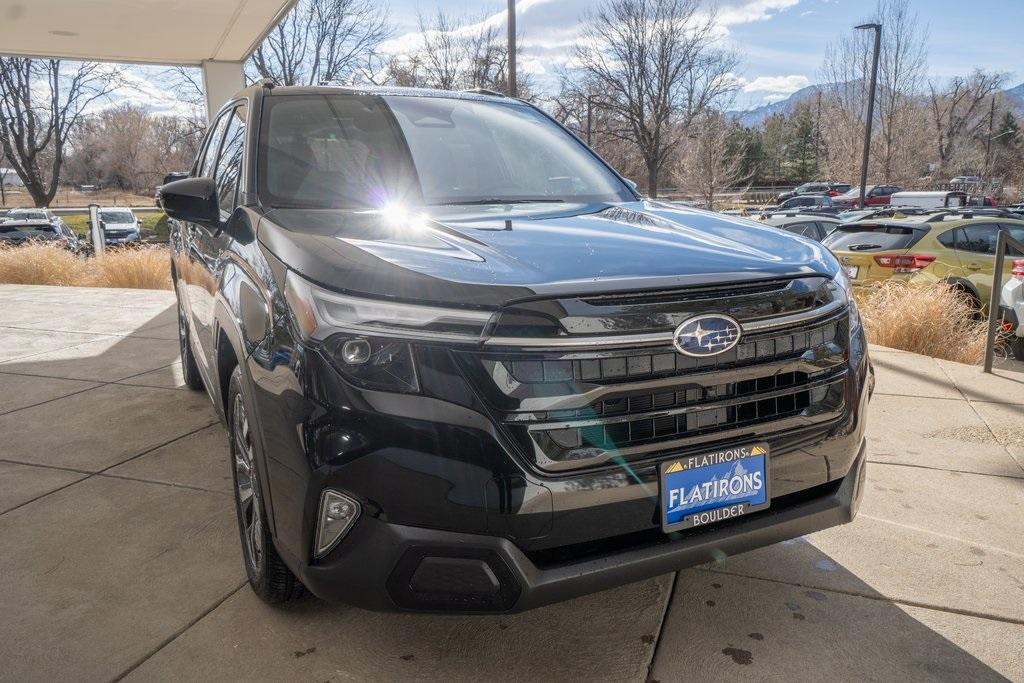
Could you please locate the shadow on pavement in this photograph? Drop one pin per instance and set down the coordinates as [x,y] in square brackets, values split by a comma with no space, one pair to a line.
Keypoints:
[729,624]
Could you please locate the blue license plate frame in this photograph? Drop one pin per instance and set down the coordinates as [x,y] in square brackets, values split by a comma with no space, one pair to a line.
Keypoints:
[690,497]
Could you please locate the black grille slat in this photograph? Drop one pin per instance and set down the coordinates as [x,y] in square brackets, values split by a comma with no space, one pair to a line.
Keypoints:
[640,365]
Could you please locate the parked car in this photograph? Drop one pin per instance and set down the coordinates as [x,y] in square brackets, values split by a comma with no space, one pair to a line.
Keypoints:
[120,226]
[35,215]
[875,195]
[21,231]
[466,367]
[930,200]
[1011,308]
[819,202]
[814,226]
[981,200]
[952,246]
[836,189]
[806,188]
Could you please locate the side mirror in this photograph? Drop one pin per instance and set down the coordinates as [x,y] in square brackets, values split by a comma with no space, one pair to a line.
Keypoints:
[632,184]
[176,175]
[193,200]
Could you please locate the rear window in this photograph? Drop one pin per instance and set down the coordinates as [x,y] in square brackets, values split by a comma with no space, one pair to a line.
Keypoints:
[874,237]
[31,229]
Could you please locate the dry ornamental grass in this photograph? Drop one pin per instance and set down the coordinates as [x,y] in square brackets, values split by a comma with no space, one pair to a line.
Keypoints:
[933,320]
[43,264]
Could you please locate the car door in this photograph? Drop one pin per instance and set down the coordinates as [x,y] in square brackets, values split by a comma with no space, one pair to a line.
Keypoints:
[209,245]
[976,247]
[188,264]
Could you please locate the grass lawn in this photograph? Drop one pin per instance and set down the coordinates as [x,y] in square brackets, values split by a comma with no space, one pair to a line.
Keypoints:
[156,222]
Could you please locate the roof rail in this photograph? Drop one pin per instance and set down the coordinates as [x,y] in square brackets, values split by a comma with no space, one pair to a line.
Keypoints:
[485,91]
[971,212]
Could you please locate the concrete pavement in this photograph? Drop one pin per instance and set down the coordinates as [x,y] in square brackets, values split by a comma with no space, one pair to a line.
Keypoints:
[120,556]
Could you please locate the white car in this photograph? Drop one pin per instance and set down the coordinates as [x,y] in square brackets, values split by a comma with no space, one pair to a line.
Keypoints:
[120,226]
[1011,309]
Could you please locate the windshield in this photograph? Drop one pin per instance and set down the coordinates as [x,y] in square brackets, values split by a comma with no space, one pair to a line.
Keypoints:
[116,217]
[27,230]
[873,237]
[366,151]
[27,215]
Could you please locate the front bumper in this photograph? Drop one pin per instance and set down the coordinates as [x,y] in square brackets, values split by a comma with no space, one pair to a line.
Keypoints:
[384,566]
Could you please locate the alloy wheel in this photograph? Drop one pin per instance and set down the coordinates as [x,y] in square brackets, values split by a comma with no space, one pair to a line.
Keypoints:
[247,487]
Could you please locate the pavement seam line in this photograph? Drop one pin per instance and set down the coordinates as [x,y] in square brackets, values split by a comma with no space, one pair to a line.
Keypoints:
[879,598]
[96,385]
[981,417]
[90,475]
[942,535]
[171,484]
[123,382]
[661,625]
[1012,477]
[945,398]
[177,634]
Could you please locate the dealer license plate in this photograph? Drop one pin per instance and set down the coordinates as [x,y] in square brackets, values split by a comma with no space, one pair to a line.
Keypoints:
[851,271]
[702,489]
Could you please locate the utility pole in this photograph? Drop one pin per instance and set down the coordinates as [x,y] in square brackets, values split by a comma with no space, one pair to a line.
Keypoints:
[512,48]
[817,136]
[988,139]
[871,108]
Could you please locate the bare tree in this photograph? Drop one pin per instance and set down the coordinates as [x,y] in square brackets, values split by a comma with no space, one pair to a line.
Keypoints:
[958,112]
[901,69]
[656,66]
[709,164]
[130,148]
[41,102]
[321,41]
[457,54]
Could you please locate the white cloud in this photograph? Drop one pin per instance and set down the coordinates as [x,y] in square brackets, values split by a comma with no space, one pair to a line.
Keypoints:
[782,85]
[753,10]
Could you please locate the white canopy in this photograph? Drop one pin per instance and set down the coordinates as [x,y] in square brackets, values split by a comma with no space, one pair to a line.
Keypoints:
[217,35]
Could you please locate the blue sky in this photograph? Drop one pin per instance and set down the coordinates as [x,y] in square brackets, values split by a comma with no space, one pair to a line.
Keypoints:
[781,42]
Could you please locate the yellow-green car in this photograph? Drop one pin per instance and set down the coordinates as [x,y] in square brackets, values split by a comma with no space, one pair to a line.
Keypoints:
[957,247]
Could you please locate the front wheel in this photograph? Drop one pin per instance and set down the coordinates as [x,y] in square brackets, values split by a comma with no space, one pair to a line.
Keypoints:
[189,368]
[1017,347]
[268,575]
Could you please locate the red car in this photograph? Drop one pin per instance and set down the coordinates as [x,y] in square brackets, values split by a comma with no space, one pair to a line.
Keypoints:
[876,195]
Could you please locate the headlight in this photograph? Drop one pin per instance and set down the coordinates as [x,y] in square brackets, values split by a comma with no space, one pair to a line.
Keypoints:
[842,281]
[367,339]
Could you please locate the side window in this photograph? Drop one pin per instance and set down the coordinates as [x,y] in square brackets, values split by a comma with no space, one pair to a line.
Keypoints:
[805,229]
[206,166]
[948,239]
[229,164]
[1017,233]
[979,239]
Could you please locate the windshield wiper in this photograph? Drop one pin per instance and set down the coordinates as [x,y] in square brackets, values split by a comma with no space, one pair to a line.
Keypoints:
[498,200]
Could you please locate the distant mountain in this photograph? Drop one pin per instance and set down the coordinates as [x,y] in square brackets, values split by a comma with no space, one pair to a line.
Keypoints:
[758,115]
[1016,95]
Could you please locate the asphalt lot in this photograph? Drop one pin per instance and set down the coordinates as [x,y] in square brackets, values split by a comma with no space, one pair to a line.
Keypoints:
[120,556]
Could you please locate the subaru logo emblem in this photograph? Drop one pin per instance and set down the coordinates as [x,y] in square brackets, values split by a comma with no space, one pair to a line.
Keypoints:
[706,335]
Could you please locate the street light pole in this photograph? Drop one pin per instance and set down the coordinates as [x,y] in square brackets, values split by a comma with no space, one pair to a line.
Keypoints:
[590,117]
[512,48]
[871,107]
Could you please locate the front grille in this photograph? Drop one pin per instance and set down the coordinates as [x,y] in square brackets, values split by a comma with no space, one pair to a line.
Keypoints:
[571,410]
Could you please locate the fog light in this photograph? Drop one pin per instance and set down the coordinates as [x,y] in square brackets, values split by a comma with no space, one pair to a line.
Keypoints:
[337,515]
[355,351]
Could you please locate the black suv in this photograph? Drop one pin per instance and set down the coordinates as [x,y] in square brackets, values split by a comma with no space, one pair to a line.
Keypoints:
[465,367]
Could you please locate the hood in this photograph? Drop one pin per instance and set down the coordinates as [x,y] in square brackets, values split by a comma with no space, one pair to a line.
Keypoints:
[490,256]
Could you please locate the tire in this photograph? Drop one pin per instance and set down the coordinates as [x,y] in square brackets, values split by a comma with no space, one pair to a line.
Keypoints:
[268,575]
[1016,345]
[189,368]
